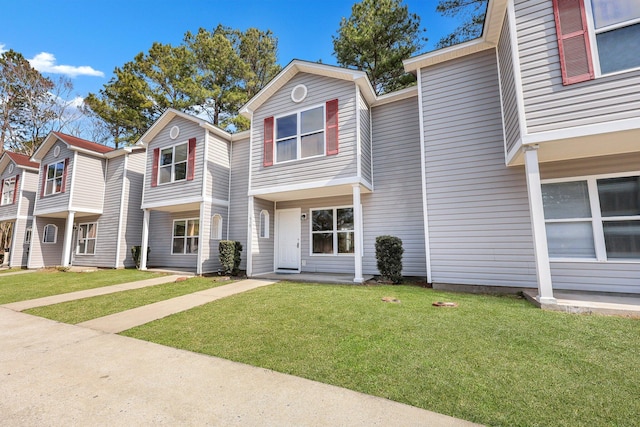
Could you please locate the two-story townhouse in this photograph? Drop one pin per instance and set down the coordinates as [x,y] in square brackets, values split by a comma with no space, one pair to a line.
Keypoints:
[186,196]
[87,210]
[18,186]
[530,138]
[331,166]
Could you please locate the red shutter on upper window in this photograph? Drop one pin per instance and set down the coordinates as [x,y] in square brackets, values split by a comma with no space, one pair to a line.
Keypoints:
[2,189]
[15,188]
[191,159]
[267,159]
[332,127]
[154,168]
[573,41]
[44,180]
[63,187]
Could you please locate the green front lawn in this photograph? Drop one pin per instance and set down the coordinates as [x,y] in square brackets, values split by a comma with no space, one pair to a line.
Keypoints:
[21,287]
[492,360]
[91,308]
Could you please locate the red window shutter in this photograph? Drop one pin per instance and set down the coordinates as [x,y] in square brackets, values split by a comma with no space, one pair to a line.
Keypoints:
[267,159]
[331,130]
[64,176]
[191,160]
[16,186]
[154,170]
[44,180]
[1,188]
[573,41]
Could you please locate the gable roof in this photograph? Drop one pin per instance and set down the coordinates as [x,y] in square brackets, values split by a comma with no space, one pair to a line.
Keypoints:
[21,160]
[496,10]
[297,66]
[73,143]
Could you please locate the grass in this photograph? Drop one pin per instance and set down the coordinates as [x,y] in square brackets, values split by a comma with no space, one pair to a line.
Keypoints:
[91,308]
[492,360]
[9,270]
[44,283]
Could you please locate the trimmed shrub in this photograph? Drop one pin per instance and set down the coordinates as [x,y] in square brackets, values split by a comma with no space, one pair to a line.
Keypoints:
[389,252]
[230,255]
[135,254]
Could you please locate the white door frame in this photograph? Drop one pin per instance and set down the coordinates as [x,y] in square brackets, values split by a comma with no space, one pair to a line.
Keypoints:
[277,237]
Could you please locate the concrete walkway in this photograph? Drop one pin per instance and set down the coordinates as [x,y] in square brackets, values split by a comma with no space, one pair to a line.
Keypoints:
[13,273]
[119,322]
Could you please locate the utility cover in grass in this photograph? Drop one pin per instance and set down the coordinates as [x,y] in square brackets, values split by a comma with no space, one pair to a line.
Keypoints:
[444,304]
[391,299]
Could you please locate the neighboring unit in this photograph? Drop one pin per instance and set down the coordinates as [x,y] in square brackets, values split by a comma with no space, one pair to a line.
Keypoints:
[87,208]
[18,186]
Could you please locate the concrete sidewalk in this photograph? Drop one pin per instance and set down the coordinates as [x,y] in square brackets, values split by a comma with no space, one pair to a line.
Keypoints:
[122,321]
[71,296]
[58,375]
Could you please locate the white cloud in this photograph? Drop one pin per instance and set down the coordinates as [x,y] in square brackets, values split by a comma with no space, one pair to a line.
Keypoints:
[46,63]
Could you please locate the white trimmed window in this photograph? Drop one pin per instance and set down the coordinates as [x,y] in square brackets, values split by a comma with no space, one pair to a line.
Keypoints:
[50,233]
[8,190]
[173,163]
[596,217]
[264,224]
[185,237]
[55,175]
[87,235]
[216,227]
[27,235]
[300,135]
[332,231]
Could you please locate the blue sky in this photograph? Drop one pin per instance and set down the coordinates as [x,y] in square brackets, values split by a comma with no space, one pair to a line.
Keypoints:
[87,39]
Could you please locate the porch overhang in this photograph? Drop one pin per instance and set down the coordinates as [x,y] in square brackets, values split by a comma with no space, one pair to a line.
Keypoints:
[311,191]
[79,213]
[174,205]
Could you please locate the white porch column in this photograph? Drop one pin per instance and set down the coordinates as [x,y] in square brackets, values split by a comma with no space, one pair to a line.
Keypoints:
[145,240]
[68,235]
[357,234]
[249,248]
[536,210]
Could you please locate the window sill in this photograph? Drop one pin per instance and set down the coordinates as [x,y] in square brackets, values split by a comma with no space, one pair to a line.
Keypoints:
[331,255]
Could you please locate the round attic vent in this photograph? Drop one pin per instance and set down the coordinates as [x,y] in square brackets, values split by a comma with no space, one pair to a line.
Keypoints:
[11,168]
[174,132]
[56,151]
[299,93]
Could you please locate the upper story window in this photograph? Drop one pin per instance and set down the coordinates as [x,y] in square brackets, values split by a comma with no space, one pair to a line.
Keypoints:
[332,231]
[306,133]
[173,164]
[54,182]
[87,236]
[593,218]
[9,191]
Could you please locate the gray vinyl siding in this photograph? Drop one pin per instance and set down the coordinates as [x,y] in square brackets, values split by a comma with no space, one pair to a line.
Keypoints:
[365,140]
[548,104]
[262,250]
[610,276]
[104,255]
[319,263]
[28,196]
[395,207]
[19,249]
[171,193]
[508,88]
[46,254]
[238,203]
[218,168]
[55,202]
[88,183]
[211,258]
[320,90]
[160,240]
[132,215]
[479,226]
[10,211]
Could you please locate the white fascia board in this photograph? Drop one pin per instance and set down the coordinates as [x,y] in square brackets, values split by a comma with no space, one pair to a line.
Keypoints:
[398,95]
[580,131]
[172,202]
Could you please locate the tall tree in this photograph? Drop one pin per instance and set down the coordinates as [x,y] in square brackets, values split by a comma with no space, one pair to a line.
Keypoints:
[470,12]
[377,36]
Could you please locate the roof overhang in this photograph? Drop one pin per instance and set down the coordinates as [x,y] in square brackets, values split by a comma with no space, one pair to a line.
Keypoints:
[51,139]
[5,159]
[496,10]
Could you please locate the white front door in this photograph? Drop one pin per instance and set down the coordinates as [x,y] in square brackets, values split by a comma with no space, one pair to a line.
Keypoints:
[288,239]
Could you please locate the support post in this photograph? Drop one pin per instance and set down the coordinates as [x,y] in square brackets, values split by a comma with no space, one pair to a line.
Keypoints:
[538,229]
[357,234]
[145,240]
[68,235]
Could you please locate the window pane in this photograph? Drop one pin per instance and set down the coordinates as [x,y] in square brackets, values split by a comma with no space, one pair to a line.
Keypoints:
[322,220]
[286,150]
[312,145]
[609,12]
[192,245]
[566,200]
[346,243]
[81,247]
[193,228]
[345,219]
[619,49]
[91,246]
[166,156]
[312,120]
[622,239]
[570,240]
[51,171]
[286,126]
[619,196]
[181,171]
[179,228]
[91,231]
[178,245]
[181,153]
[59,169]
[165,174]
[57,185]
[323,243]
[49,187]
